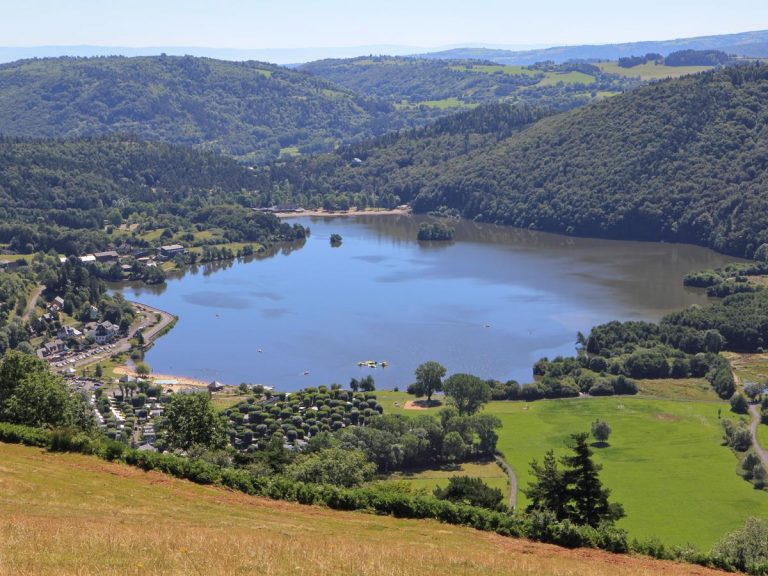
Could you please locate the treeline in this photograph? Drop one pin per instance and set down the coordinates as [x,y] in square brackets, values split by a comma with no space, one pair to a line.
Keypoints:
[680,160]
[684,344]
[679,58]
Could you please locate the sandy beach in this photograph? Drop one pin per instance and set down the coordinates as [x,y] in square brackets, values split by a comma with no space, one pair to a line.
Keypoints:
[178,381]
[351,212]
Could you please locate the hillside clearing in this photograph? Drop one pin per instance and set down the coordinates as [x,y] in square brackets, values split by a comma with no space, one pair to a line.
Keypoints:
[651,71]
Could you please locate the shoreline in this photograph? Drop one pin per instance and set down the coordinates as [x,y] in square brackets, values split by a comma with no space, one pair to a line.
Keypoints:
[321,213]
[178,381]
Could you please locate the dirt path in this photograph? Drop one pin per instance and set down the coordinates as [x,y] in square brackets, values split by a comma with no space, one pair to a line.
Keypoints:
[31,303]
[512,480]
[754,410]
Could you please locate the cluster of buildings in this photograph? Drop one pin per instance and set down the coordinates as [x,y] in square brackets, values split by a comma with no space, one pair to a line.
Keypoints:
[100,333]
[126,253]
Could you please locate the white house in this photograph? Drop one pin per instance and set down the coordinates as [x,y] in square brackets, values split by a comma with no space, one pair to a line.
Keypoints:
[104,332]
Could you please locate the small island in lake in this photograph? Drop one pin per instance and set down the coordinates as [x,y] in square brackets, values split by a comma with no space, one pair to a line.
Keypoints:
[435,232]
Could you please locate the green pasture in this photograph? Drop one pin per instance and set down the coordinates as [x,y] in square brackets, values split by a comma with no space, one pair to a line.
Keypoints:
[650,71]
[665,463]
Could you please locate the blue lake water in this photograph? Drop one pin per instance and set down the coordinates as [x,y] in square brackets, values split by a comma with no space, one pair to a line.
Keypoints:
[491,303]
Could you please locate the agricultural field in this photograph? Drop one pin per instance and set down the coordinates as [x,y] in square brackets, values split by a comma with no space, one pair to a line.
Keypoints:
[550,78]
[554,78]
[651,71]
[500,68]
[444,104]
[664,455]
[73,514]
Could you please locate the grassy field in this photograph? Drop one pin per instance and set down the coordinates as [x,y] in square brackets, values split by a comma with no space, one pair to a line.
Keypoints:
[695,389]
[72,514]
[665,462]
[430,479]
[554,78]
[445,103]
[289,151]
[651,71]
[490,69]
[664,455]
[228,398]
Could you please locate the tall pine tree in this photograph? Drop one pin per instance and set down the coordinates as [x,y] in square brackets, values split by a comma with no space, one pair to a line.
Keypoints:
[574,492]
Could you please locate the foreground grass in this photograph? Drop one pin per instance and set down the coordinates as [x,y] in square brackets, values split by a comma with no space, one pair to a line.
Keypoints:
[665,462]
[72,514]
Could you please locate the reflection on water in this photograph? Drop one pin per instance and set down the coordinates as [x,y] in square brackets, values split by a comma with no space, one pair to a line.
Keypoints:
[490,303]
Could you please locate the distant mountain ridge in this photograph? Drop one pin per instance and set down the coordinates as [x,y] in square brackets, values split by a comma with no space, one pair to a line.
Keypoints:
[751,44]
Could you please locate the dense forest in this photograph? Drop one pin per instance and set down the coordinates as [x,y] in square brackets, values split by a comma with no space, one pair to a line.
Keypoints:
[680,160]
[467,82]
[251,110]
[66,195]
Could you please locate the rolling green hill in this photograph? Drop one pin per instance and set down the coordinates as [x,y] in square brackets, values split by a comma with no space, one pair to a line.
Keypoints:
[681,160]
[247,109]
[413,82]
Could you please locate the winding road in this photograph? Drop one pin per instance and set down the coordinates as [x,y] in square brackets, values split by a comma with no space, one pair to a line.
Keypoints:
[512,480]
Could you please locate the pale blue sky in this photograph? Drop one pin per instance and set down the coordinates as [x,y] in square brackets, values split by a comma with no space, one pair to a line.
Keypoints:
[421,23]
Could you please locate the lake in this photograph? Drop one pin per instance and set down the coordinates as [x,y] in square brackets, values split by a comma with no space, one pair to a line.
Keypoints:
[491,303]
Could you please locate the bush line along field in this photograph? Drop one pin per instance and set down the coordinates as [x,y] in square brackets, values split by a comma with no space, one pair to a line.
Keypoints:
[66,513]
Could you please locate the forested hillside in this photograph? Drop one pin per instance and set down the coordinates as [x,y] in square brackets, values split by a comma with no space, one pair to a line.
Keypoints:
[247,109]
[681,160]
[60,194]
[445,84]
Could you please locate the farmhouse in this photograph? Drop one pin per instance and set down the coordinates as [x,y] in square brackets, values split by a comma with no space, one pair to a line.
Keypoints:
[56,304]
[109,256]
[170,251]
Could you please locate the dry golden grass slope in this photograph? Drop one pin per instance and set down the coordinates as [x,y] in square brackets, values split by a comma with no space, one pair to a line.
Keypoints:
[72,514]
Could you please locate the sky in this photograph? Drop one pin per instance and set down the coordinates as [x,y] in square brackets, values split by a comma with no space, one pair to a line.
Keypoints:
[325,23]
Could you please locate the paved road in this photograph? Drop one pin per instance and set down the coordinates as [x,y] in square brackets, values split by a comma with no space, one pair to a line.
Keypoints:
[512,481]
[124,345]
